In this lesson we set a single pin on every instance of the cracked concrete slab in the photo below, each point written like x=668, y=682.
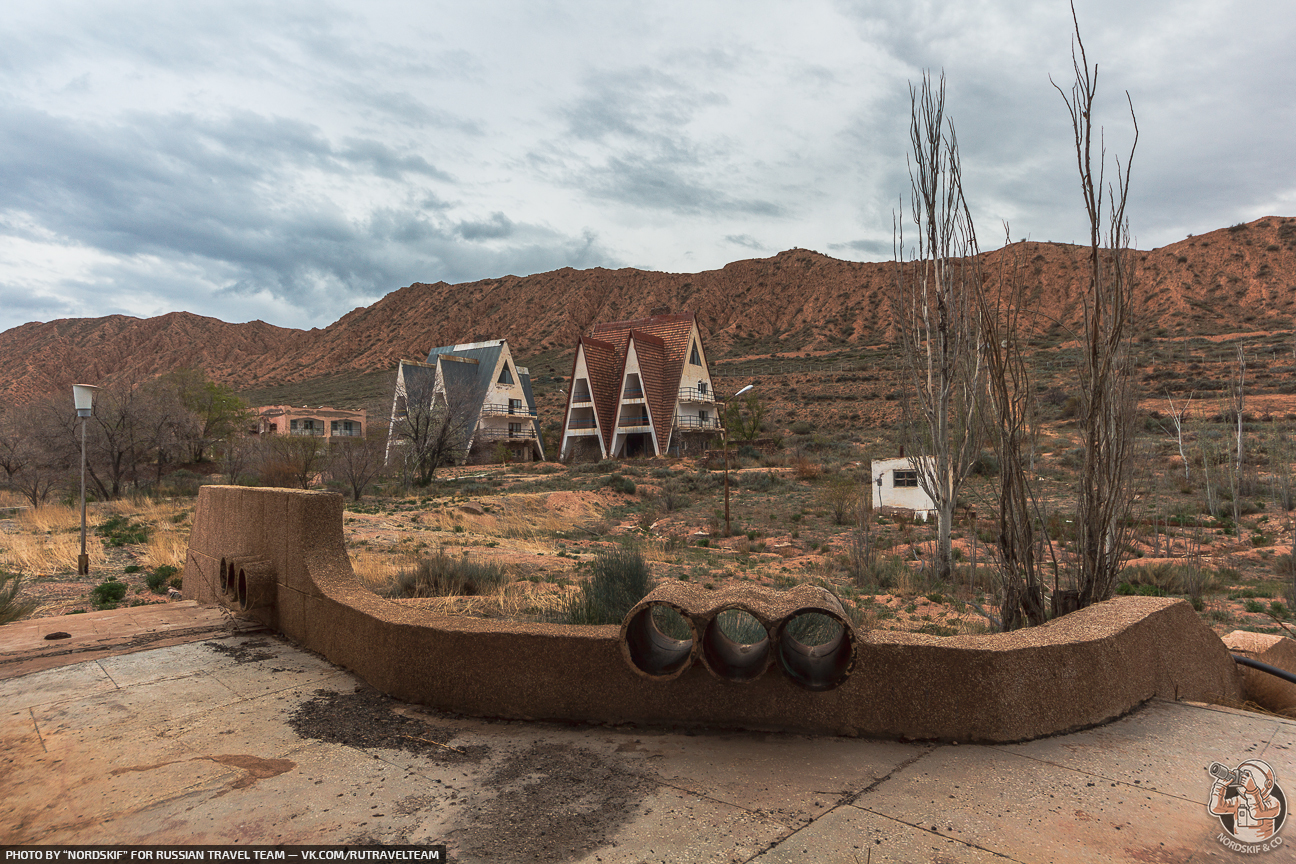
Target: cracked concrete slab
x=246, y=738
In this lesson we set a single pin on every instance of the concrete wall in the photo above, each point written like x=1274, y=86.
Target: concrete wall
x=1083, y=669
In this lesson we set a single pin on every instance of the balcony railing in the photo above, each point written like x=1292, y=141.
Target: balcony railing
x=687, y=422
x=633, y=423
x=693, y=394
x=493, y=408
x=345, y=433
x=506, y=434
x=581, y=398
x=307, y=433
x=581, y=424
x=632, y=394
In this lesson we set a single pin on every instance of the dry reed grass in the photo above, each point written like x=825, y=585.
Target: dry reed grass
x=52, y=518
x=167, y=547
x=43, y=553
x=517, y=600
x=376, y=570
x=9, y=498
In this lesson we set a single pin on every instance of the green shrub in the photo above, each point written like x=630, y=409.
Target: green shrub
x=620, y=580
x=157, y=580
x=106, y=595
x=801, y=427
x=621, y=484
x=1255, y=606
x=441, y=575
x=121, y=531
x=12, y=608
x=132, y=568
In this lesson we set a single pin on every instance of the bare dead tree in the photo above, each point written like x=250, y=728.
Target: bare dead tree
x=1010, y=430
x=357, y=461
x=34, y=465
x=935, y=311
x=296, y=460
x=1178, y=415
x=1237, y=398
x=435, y=427
x=1108, y=395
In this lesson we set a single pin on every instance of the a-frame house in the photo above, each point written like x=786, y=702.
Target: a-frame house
x=487, y=389
x=640, y=388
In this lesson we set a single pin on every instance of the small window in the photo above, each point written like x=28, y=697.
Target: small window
x=694, y=357
x=905, y=479
x=703, y=416
x=292, y=425
x=702, y=387
x=515, y=406
x=515, y=430
x=506, y=377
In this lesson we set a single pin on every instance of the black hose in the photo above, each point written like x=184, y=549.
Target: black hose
x=1265, y=667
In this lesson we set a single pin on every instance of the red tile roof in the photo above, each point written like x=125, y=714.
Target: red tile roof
x=662, y=344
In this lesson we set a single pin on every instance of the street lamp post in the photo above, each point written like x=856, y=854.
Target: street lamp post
x=83, y=398
x=728, y=527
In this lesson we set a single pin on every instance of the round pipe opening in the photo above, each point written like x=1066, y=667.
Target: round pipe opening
x=242, y=589
x=226, y=578
x=736, y=646
x=659, y=640
x=815, y=649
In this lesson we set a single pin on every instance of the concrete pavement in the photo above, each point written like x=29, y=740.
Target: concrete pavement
x=246, y=739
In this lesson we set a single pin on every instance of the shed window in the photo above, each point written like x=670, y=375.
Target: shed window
x=905, y=478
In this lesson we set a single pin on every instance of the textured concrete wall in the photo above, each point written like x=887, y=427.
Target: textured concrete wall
x=1083, y=669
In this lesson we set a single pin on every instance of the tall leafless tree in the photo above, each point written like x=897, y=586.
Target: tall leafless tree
x=1009, y=423
x=935, y=312
x=434, y=426
x=1178, y=416
x=1237, y=399
x=357, y=461
x=1108, y=396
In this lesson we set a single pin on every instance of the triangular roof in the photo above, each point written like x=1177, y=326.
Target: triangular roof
x=661, y=345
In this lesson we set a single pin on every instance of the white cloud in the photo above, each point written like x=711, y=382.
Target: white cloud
x=289, y=161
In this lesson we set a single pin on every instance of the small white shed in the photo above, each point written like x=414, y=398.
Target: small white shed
x=896, y=486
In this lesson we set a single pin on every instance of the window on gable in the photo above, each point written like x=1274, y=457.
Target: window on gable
x=694, y=357
x=506, y=377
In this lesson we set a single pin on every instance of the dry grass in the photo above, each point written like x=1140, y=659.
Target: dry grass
x=9, y=498
x=167, y=547
x=44, y=553
x=517, y=600
x=377, y=570
x=52, y=518
x=48, y=539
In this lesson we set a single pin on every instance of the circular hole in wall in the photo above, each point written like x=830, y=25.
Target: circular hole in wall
x=225, y=576
x=241, y=590
x=659, y=640
x=736, y=646
x=814, y=649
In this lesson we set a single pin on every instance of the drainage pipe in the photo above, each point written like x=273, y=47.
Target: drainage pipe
x=1264, y=667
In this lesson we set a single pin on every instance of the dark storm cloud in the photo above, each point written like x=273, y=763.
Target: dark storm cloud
x=498, y=226
x=223, y=196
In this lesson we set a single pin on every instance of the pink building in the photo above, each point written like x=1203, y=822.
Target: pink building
x=310, y=422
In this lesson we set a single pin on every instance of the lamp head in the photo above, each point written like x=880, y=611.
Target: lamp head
x=83, y=397
x=744, y=390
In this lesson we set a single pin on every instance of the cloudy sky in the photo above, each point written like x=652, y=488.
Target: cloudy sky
x=290, y=161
